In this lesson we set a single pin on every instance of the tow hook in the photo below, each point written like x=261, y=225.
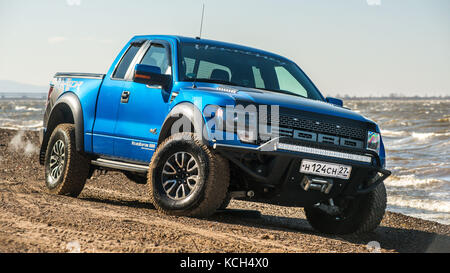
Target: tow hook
x=315, y=183
x=330, y=209
x=242, y=194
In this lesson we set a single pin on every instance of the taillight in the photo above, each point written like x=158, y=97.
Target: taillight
x=50, y=92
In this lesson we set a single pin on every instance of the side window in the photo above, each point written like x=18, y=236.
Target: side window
x=122, y=68
x=157, y=56
x=287, y=82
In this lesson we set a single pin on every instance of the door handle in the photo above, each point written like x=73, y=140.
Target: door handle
x=125, y=97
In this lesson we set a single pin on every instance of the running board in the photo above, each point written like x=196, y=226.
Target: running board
x=106, y=163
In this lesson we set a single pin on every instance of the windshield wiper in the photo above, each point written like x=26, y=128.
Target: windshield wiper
x=283, y=92
x=217, y=81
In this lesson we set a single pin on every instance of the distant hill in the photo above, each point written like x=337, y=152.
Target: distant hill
x=17, y=87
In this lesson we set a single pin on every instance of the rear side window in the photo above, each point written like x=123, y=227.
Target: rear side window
x=259, y=82
x=122, y=68
x=188, y=66
x=206, y=71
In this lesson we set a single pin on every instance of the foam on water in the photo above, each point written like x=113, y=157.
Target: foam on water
x=416, y=136
x=21, y=114
x=422, y=136
x=389, y=133
x=410, y=181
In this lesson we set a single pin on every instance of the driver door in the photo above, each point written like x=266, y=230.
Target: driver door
x=141, y=115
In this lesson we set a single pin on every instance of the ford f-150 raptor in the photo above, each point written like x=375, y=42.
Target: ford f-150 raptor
x=201, y=122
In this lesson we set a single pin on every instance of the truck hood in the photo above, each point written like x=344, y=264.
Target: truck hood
x=242, y=95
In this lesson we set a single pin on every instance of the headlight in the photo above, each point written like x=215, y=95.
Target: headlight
x=244, y=123
x=373, y=141
x=234, y=120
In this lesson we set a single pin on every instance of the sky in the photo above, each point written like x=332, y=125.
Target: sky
x=353, y=47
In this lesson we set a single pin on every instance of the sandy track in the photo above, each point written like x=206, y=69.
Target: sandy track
x=113, y=215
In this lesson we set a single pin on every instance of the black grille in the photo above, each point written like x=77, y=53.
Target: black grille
x=321, y=127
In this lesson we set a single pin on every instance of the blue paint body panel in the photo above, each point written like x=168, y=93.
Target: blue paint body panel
x=130, y=131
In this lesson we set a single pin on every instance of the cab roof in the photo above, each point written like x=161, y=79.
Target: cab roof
x=183, y=39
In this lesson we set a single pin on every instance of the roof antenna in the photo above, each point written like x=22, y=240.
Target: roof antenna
x=198, y=38
x=201, y=24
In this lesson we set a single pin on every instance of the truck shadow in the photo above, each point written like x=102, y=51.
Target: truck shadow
x=397, y=239
x=123, y=203
x=390, y=238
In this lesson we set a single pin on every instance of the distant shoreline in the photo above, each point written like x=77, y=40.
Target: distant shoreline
x=395, y=98
x=42, y=95
x=23, y=96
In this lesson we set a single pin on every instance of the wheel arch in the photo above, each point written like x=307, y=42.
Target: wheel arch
x=66, y=110
x=183, y=110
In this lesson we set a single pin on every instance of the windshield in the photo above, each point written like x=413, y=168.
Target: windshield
x=227, y=65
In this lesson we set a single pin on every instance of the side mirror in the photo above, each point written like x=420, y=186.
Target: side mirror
x=335, y=101
x=151, y=75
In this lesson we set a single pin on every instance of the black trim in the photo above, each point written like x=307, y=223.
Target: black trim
x=186, y=110
x=278, y=174
x=72, y=101
x=324, y=146
x=378, y=180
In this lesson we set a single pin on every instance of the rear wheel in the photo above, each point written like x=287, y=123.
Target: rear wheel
x=186, y=178
x=66, y=170
x=360, y=215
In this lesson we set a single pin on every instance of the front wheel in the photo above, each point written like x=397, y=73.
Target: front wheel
x=359, y=215
x=186, y=178
x=66, y=170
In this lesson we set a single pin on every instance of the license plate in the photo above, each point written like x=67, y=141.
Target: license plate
x=325, y=169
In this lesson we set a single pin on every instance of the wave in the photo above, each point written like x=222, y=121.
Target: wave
x=422, y=214
x=390, y=133
x=411, y=181
x=25, y=108
x=437, y=210
x=20, y=108
x=31, y=126
x=412, y=134
x=446, y=120
x=441, y=206
x=32, y=109
x=423, y=136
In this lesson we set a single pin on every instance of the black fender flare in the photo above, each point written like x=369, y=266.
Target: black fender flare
x=187, y=110
x=67, y=102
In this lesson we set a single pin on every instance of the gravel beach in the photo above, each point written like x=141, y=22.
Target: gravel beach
x=113, y=214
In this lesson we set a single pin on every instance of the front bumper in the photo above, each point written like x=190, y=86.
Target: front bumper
x=366, y=175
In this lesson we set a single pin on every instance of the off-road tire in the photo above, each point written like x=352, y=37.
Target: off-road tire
x=214, y=177
x=225, y=202
x=367, y=212
x=75, y=169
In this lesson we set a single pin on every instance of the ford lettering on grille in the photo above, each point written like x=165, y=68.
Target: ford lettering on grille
x=321, y=138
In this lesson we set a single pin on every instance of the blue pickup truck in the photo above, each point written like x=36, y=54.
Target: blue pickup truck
x=202, y=122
